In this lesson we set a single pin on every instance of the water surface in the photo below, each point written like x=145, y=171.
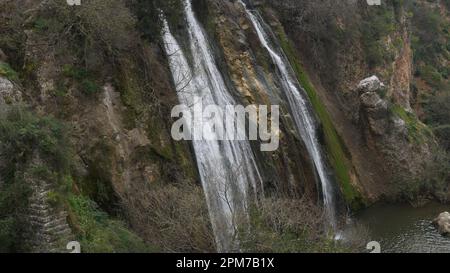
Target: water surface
x=404, y=229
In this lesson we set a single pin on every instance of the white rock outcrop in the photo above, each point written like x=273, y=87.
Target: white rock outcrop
x=8, y=92
x=442, y=223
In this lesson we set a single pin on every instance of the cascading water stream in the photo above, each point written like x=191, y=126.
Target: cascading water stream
x=302, y=114
x=226, y=167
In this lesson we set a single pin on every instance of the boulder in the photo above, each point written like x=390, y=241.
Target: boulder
x=373, y=100
x=6, y=85
x=374, y=109
x=442, y=223
x=8, y=92
x=371, y=84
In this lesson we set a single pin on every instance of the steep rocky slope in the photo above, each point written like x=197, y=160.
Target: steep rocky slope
x=339, y=52
x=114, y=95
x=98, y=75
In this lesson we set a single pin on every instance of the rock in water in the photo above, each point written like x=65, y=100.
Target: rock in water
x=442, y=223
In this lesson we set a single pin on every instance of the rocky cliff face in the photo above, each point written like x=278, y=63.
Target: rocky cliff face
x=47, y=227
x=119, y=118
x=403, y=141
x=110, y=83
x=374, y=118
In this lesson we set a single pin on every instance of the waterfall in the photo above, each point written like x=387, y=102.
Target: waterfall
x=301, y=111
x=227, y=168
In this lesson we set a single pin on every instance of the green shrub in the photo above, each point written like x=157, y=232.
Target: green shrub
x=98, y=233
x=438, y=116
x=443, y=133
x=54, y=198
x=7, y=72
x=61, y=88
x=82, y=77
x=375, y=54
x=22, y=132
x=89, y=87
x=430, y=39
x=74, y=72
x=430, y=75
x=148, y=16
x=380, y=23
x=42, y=24
x=14, y=194
x=417, y=131
x=8, y=234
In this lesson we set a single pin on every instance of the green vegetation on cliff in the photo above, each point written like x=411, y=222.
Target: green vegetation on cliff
x=83, y=78
x=431, y=44
x=8, y=72
x=37, y=147
x=98, y=233
x=379, y=23
x=32, y=147
x=344, y=42
x=417, y=131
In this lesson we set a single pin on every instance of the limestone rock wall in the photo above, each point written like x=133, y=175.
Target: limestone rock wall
x=47, y=228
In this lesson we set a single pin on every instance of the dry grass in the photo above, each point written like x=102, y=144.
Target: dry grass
x=174, y=218
x=297, y=226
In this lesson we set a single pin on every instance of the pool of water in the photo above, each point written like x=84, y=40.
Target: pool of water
x=404, y=229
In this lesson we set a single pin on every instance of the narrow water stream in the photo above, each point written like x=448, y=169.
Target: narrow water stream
x=301, y=110
x=404, y=229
